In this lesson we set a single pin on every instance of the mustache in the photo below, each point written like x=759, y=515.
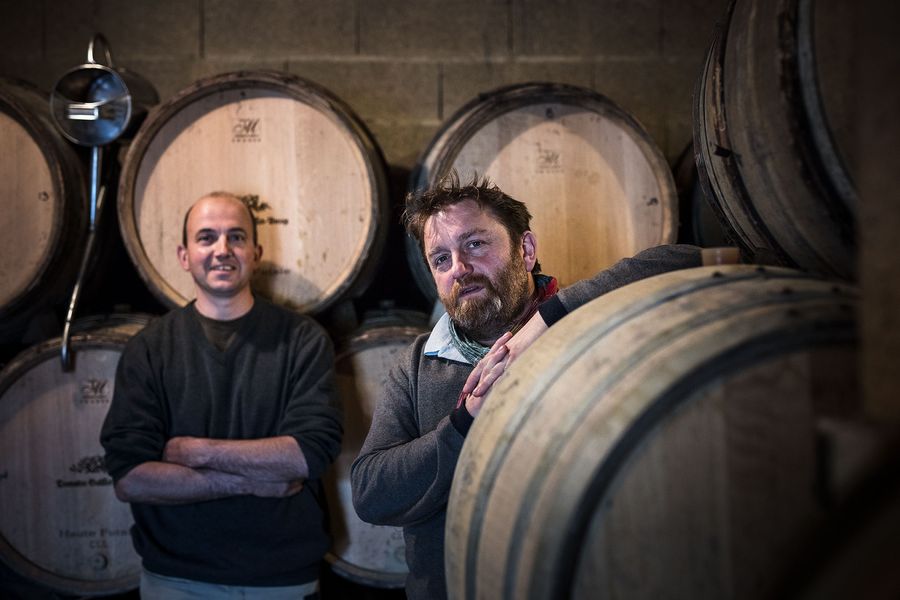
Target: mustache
x=460, y=284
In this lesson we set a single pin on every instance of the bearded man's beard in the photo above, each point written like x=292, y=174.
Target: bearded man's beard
x=494, y=312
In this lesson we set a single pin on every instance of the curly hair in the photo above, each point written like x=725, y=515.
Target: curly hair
x=422, y=204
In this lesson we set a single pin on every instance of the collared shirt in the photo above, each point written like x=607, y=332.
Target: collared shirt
x=440, y=344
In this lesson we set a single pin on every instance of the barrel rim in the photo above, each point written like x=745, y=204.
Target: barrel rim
x=69, y=225
x=296, y=87
x=21, y=565
x=111, y=337
x=101, y=337
x=370, y=334
x=435, y=160
x=777, y=225
x=752, y=352
x=364, y=576
x=624, y=305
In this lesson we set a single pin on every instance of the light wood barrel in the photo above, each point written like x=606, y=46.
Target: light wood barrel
x=61, y=525
x=372, y=555
x=658, y=442
x=304, y=163
x=596, y=184
x=42, y=190
x=774, y=132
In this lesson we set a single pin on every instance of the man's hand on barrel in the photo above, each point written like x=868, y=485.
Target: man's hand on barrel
x=504, y=351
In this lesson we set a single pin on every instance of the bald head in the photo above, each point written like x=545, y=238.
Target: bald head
x=225, y=196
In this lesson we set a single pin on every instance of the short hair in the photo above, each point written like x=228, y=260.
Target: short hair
x=422, y=204
x=219, y=194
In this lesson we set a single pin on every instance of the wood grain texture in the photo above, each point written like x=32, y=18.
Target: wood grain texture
x=595, y=183
x=659, y=441
x=771, y=134
x=44, y=216
x=303, y=162
x=61, y=524
x=368, y=554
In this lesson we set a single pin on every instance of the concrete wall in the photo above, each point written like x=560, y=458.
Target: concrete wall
x=403, y=66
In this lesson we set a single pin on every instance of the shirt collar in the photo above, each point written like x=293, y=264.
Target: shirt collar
x=439, y=343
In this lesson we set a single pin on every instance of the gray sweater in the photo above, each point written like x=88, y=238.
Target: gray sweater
x=403, y=474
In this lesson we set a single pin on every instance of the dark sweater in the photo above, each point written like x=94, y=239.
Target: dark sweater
x=403, y=474
x=276, y=378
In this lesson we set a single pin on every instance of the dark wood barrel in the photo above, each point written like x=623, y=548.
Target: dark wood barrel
x=302, y=160
x=371, y=555
x=773, y=133
x=597, y=185
x=658, y=442
x=44, y=218
x=855, y=554
x=61, y=525
x=697, y=223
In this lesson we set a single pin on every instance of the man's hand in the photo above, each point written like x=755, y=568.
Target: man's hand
x=186, y=451
x=266, y=459
x=276, y=489
x=504, y=351
x=485, y=374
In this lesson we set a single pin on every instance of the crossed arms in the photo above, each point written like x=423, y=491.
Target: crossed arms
x=196, y=469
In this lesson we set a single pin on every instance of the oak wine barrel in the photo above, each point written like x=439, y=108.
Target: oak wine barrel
x=774, y=133
x=597, y=185
x=372, y=555
x=61, y=525
x=44, y=218
x=299, y=157
x=659, y=441
x=697, y=223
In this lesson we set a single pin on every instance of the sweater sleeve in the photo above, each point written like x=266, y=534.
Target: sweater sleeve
x=313, y=414
x=647, y=263
x=134, y=430
x=400, y=477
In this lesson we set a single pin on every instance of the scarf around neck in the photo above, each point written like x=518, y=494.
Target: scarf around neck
x=473, y=351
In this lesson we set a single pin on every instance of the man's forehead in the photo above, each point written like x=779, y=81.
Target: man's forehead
x=460, y=217
x=214, y=208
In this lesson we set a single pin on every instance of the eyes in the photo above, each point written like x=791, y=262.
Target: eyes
x=207, y=237
x=472, y=248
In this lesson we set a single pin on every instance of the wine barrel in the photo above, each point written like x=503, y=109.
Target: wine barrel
x=372, y=555
x=597, y=186
x=42, y=188
x=657, y=442
x=303, y=162
x=855, y=552
x=697, y=222
x=773, y=133
x=61, y=525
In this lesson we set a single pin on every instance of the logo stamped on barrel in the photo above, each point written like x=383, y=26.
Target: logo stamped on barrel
x=548, y=161
x=246, y=130
x=94, y=391
x=89, y=464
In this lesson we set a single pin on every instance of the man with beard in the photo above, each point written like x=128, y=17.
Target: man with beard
x=482, y=255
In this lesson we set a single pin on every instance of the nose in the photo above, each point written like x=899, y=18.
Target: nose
x=460, y=268
x=222, y=246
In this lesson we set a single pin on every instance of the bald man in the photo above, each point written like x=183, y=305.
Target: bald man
x=223, y=420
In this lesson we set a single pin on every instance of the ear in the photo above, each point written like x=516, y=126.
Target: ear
x=529, y=250
x=257, y=252
x=183, y=258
